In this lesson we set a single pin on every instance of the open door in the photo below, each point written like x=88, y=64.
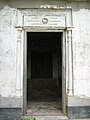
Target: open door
x=44, y=73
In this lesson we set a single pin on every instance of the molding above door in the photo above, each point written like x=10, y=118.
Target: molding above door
x=60, y=18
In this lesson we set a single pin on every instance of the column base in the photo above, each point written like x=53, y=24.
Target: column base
x=78, y=108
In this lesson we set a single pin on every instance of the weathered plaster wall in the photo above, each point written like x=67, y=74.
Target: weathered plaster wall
x=37, y=4
x=81, y=52
x=7, y=52
x=81, y=43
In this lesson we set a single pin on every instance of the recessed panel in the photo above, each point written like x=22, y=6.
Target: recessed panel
x=46, y=20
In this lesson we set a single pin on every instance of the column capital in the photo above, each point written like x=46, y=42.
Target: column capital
x=19, y=28
x=19, y=35
x=69, y=33
x=69, y=28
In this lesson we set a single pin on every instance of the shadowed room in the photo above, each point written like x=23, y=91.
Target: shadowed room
x=44, y=73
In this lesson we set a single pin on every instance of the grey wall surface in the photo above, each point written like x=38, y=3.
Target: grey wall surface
x=10, y=114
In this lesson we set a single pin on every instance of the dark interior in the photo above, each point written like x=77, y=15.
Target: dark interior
x=41, y=64
x=44, y=66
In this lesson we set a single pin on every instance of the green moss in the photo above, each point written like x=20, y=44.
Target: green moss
x=28, y=118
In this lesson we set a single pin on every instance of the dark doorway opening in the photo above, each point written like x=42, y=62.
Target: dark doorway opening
x=44, y=72
x=41, y=64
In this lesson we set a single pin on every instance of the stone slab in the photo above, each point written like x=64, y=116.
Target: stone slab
x=78, y=112
x=10, y=102
x=77, y=101
x=49, y=117
x=10, y=114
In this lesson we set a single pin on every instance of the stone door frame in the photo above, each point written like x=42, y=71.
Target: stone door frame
x=63, y=65
x=67, y=64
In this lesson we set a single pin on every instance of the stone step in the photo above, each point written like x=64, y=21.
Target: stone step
x=49, y=117
x=54, y=118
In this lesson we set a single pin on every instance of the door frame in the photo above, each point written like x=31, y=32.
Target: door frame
x=65, y=26
x=44, y=29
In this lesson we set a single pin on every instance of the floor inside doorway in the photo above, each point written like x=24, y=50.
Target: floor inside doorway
x=45, y=111
x=44, y=108
x=44, y=99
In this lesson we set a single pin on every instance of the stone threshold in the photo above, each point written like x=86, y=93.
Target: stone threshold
x=54, y=118
x=49, y=117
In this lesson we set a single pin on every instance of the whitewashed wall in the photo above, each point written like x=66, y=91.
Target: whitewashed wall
x=81, y=52
x=7, y=52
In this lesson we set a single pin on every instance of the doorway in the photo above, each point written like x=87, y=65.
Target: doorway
x=44, y=73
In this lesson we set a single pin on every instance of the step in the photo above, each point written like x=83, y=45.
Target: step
x=49, y=117
x=53, y=118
